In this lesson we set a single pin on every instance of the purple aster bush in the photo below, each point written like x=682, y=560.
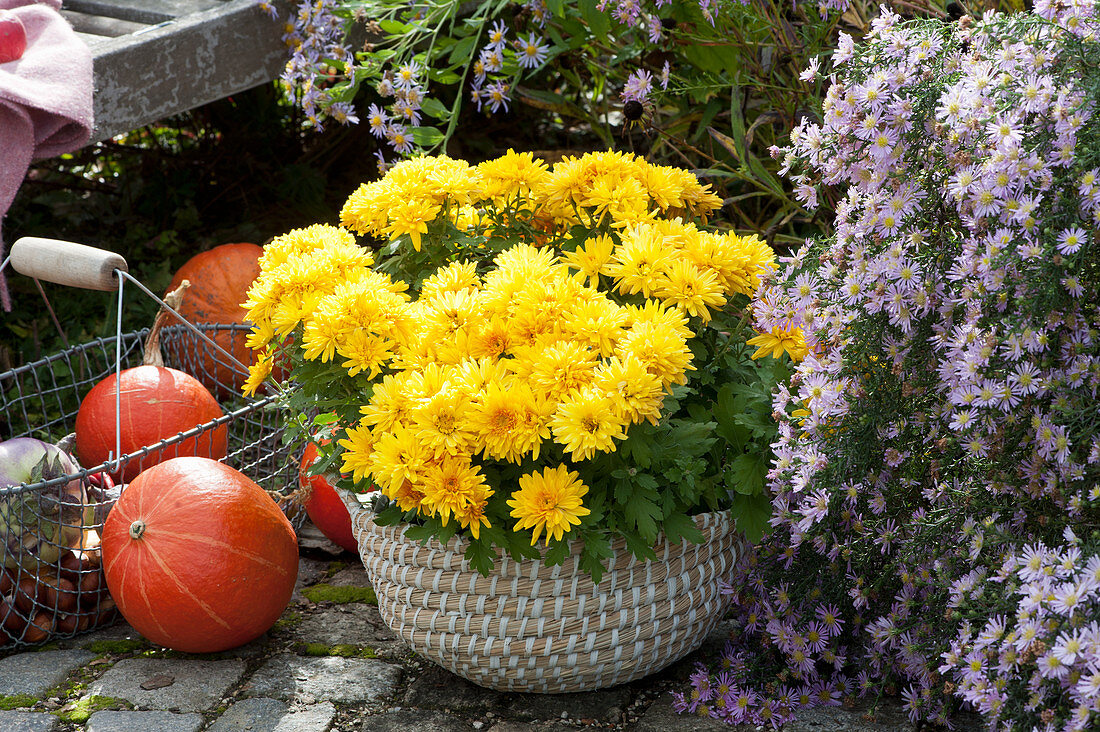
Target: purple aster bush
x=936, y=484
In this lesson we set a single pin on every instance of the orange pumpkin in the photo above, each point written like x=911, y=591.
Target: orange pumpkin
x=220, y=278
x=156, y=403
x=198, y=556
x=324, y=508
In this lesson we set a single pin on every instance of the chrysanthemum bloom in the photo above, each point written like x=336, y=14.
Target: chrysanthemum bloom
x=780, y=341
x=691, y=289
x=640, y=394
x=358, y=446
x=587, y=421
x=592, y=258
x=398, y=458
x=498, y=419
x=549, y=502
x=448, y=485
x=258, y=373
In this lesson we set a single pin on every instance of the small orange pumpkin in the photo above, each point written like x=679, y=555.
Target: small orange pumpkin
x=198, y=556
x=324, y=508
x=220, y=278
x=155, y=403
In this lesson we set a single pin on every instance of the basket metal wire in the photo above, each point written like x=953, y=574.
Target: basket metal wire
x=51, y=582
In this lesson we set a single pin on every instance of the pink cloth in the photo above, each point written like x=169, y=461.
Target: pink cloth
x=45, y=100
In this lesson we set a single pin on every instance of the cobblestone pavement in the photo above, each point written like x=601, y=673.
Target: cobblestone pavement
x=327, y=666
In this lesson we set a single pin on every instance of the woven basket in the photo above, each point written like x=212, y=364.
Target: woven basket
x=532, y=628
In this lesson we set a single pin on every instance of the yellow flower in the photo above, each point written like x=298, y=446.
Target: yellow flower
x=586, y=421
x=658, y=315
x=591, y=259
x=398, y=458
x=549, y=502
x=389, y=407
x=638, y=262
x=471, y=515
x=638, y=393
x=664, y=352
x=474, y=376
x=358, y=447
x=260, y=335
x=365, y=351
x=597, y=322
x=455, y=277
x=778, y=342
x=512, y=175
x=499, y=418
x=448, y=485
x=257, y=373
x=441, y=422
x=560, y=369
x=412, y=218
x=492, y=339
x=690, y=289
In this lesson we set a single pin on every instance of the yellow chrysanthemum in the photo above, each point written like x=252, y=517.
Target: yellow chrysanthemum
x=449, y=484
x=560, y=369
x=637, y=263
x=398, y=458
x=442, y=420
x=499, y=419
x=597, y=322
x=780, y=341
x=587, y=421
x=474, y=376
x=512, y=176
x=664, y=352
x=549, y=502
x=592, y=259
x=257, y=373
x=365, y=351
x=389, y=406
x=691, y=289
x=656, y=314
x=412, y=218
x=492, y=339
x=455, y=277
x=638, y=394
x=358, y=447
x=471, y=515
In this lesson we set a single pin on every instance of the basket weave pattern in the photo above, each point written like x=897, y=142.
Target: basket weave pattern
x=530, y=627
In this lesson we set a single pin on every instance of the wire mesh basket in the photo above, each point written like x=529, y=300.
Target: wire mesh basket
x=52, y=583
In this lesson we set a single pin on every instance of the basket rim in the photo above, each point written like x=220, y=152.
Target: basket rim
x=711, y=523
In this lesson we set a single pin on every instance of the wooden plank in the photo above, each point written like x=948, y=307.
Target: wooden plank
x=182, y=64
x=148, y=12
x=98, y=25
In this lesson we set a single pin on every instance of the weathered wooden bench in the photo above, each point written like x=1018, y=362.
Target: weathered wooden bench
x=156, y=58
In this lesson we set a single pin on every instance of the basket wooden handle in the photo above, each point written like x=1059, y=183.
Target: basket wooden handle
x=67, y=263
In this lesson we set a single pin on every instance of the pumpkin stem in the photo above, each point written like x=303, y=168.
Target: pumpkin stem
x=137, y=528
x=173, y=299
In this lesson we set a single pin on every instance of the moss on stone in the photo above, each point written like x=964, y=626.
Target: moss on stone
x=85, y=707
x=17, y=701
x=340, y=594
x=288, y=620
x=116, y=647
x=344, y=650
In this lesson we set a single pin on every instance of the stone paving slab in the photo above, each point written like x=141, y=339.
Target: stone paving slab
x=437, y=688
x=28, y=722
x=33, y=673
x=260, y=714
x=309, y=680
x=415, y=720
x=189, y=685
x=355, y=624
x=144, y=722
